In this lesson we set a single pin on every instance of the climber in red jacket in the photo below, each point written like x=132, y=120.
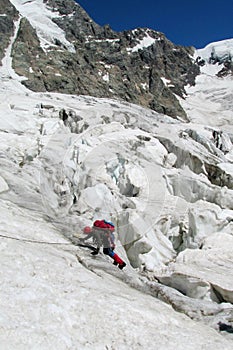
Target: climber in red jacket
x=102, y=235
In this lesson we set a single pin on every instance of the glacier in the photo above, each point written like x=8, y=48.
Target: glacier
x=167, y=185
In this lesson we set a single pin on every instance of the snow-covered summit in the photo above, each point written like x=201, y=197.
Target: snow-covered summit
x=216, y=58
x=220, y=50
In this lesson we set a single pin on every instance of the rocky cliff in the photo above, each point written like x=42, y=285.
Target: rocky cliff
x=140, y=66
x=8, y=14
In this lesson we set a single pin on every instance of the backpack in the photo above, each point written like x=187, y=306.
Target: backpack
x=104, y=225
x=104, y=232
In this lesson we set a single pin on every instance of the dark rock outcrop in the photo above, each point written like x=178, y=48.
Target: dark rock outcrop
x=8, y=14
x=105, y=63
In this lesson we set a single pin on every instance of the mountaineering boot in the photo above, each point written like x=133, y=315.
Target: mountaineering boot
x=95, y=252
x=118, y=261
x=121, y=266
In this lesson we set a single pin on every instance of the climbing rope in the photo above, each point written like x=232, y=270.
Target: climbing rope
x=34, y=241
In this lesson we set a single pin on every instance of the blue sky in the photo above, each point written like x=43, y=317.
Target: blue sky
x=184, y=22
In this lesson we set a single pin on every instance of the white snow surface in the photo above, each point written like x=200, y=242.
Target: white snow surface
x=220, y=49
x=145, y=42
x=109, y=154
x=210, y=100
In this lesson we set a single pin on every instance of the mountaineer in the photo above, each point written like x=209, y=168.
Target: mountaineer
x=102, y=233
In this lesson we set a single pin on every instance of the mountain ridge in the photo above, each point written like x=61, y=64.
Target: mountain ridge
x=70, y=53
x=103, y=63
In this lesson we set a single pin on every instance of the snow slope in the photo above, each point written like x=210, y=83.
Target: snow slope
x=48, y=298
x=40, y=18
x=125, y=163
x=210, y=100
x=220, y=49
